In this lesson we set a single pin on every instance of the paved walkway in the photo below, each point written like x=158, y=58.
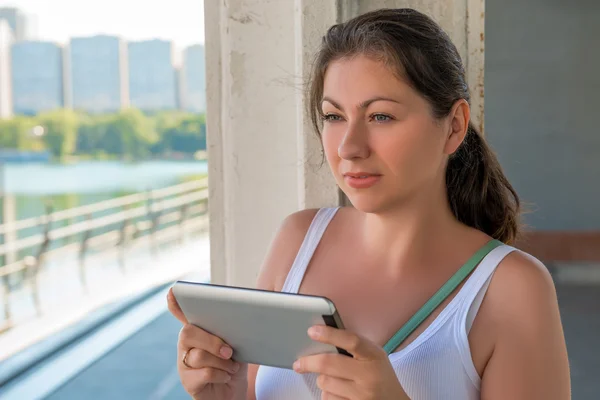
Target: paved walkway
x=143, y=367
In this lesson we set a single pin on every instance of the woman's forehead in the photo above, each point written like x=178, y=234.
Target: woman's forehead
x=361, y=79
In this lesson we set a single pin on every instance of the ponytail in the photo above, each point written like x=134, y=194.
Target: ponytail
x=480, y=195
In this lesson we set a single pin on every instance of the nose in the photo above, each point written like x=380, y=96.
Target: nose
x=354, y=144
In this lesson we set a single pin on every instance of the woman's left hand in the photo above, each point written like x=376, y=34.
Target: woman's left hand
x=365, y=376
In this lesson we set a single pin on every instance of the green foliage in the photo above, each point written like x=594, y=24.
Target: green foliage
x=181, y=133
x=127, y=134
x=60, y=129
x=15, y=133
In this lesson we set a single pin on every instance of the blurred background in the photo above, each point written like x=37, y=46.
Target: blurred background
x=104, y=175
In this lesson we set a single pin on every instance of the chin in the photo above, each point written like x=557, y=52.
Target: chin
x=367, y=203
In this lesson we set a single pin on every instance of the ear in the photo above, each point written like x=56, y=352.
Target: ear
x=458, y=123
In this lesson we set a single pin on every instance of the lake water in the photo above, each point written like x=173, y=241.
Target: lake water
x=69, y=185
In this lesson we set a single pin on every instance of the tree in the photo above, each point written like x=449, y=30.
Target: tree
x=60, y=131
x=15, y=133
x=92, y=133
x=10, y=131
x=129, y=133
x=187, y=134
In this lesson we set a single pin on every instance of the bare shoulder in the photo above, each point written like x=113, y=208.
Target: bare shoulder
x=283, y=249
x=529, y=360
x=521, y=285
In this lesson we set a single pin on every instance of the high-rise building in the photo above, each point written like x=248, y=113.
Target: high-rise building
x=98, y=78
x=178, y=88
x=37, y=77
x=6, y=40
x=16, y=20
x=151, y=75
x=193, y=79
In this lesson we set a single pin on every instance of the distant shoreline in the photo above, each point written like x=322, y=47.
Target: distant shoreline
x=13, y=156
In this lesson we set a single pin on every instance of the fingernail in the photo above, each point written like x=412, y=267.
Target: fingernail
x=226, y=351
x=314, y=331
x=227, y=378
x=235, y=368
x=297, y=366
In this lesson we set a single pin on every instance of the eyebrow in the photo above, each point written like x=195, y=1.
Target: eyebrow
x=363, y=104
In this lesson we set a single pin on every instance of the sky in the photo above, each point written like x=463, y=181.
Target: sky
x=181, y=21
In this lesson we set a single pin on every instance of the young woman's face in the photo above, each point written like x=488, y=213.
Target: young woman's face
x=381, y=140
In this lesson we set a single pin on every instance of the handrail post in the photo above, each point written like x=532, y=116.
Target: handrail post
x=122, y=243
x=82, y=252
x=182, y=218
x=6, y=300
x=149, y=203
x=33, y=264
x=154, y=217
x=32, y=269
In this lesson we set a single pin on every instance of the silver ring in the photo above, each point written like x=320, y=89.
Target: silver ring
x=183, y=359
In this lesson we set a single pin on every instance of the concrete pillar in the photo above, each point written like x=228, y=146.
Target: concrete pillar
x=264, y=160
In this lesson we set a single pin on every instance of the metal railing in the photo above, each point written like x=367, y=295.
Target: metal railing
x=103, y=229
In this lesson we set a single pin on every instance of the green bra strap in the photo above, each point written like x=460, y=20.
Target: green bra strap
x=439, y=296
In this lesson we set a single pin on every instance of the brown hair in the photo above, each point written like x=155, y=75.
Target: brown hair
x=423, y=55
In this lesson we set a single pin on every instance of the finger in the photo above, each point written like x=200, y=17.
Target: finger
x=197, y=379
x=335, y=388
x=329, y=396
x=334, y=365
x=174, y=307
x=192, y=336
x=198, y=358
x=361, y=348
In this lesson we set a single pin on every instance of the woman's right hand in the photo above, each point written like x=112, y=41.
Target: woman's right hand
x=204, y=362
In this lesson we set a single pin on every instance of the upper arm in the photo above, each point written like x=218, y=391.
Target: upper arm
x=277, y=263
x=529, y=360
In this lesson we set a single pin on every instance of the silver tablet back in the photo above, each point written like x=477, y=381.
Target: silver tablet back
x=262, y=327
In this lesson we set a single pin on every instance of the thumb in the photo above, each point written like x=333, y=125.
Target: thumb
x=174, y=307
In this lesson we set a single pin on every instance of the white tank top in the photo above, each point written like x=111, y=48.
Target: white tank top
x=436, y=365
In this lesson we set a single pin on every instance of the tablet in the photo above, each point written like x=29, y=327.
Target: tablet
x=263, y=327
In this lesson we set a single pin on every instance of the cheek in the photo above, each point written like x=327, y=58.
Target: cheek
x=331, y=142
x=413, y=153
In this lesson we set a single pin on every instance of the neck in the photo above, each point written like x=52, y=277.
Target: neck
x=402, y=237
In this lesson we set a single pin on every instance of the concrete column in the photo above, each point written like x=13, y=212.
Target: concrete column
x=316, y=185
x=264, y=160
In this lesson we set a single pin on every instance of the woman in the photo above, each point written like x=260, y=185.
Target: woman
x=389, y=99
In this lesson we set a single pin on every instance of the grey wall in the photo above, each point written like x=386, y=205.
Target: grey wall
x=542, y=106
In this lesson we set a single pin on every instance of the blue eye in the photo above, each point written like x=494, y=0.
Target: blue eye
x=381, y=118
x=331, y=118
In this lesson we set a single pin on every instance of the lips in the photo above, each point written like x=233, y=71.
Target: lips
x=361, y=180
x=360, y=174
